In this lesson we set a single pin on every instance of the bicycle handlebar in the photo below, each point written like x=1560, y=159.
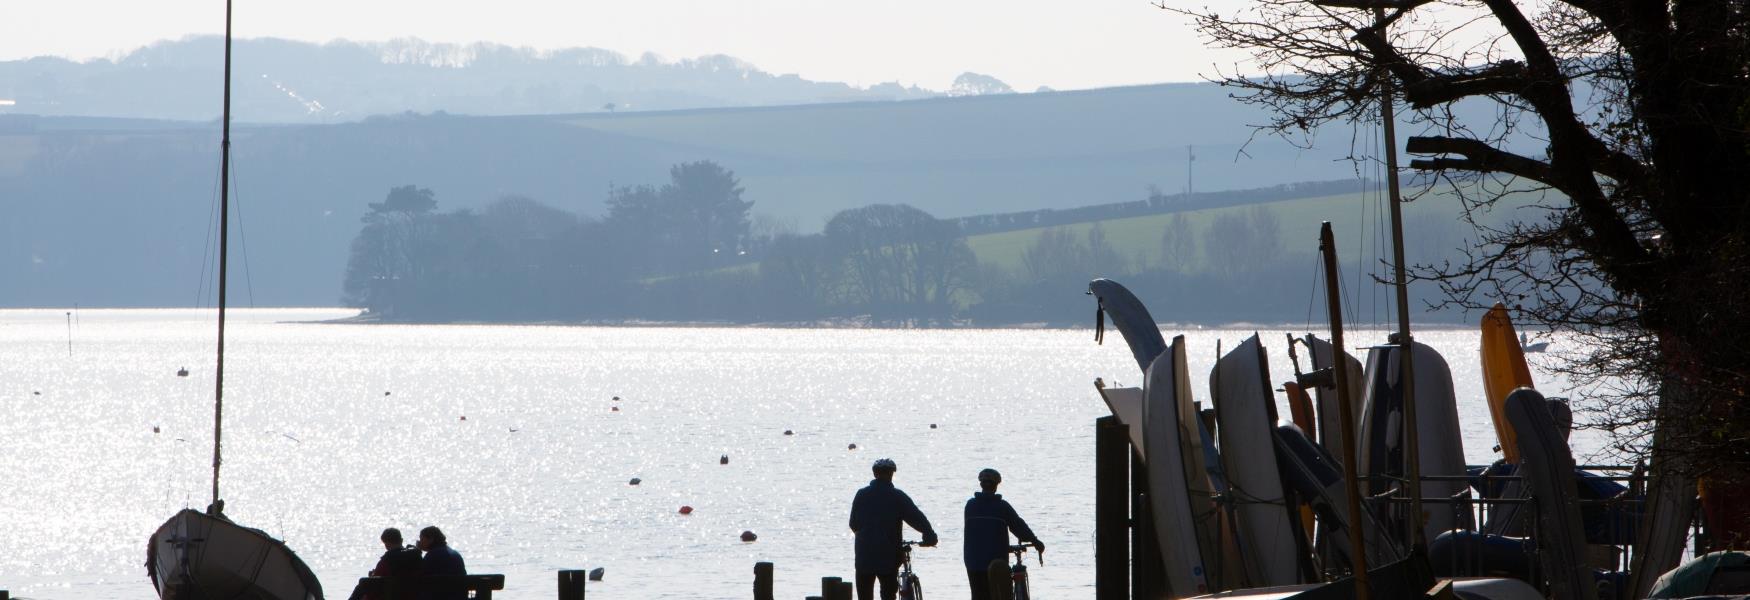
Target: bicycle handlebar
x=1020, y=550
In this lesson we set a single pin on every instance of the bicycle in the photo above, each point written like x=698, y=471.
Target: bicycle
x=1018, y=571
x=909, y=586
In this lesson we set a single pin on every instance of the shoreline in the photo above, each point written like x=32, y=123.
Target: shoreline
x=863, y=323
x=860, y=322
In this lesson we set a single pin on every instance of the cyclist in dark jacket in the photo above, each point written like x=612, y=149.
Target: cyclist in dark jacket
x=876, y=515
x=989, y=519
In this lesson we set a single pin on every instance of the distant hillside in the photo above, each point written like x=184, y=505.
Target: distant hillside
x=298, y=82
x=113, y=211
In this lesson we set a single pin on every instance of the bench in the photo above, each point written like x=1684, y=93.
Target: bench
x=390, y=587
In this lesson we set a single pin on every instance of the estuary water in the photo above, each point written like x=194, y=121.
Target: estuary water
x=507, y=438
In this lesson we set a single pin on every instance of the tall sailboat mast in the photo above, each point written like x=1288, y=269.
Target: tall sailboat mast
x=224, y=239
x=1412, y=447
x=1345, y=415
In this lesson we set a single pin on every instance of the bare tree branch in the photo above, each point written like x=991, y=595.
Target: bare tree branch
x=1479, y=157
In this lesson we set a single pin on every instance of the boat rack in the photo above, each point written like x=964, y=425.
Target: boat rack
x=1610, y=523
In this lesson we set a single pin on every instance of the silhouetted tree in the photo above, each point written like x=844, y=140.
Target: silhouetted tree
x=1054, y=254
x=1640, y=252
x=1103, y=259
x=1178, y=242
x=383, y=257
x=406, y=200
x=696, y=220
x=900, y=261
x=1058, y=257
x=1242, y=242
x=802, y=274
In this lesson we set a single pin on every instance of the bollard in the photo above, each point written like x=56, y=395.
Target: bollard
x=571, y=584
x=846, y=590
x=762, y=581
x=829, y=587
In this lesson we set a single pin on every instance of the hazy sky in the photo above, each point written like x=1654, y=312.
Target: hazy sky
x=1065, y=44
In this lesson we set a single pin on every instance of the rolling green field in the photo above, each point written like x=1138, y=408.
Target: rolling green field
x=1433, y=225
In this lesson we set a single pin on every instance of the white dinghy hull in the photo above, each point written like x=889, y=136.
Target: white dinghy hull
x=198, y=556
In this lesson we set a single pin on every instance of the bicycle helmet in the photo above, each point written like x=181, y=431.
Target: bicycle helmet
x=886, y=464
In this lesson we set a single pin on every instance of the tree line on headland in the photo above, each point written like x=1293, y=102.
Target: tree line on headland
x=690, y=250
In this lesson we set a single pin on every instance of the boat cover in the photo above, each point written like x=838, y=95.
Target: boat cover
x=199, y=556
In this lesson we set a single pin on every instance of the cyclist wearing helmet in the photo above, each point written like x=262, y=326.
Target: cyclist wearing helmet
x=989, y=519
x=876, y=515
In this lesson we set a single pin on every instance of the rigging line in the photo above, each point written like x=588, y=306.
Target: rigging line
x=200, y=292
x=1238, y=495
x=1314, y=296
x=1365, y=230
x=242, y=234
x=1345, y=295
x=1370, y=219
x=1370, y=238
x=1383, y=239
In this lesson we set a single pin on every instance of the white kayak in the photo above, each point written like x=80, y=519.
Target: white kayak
x=1245, y=415
x=1180, y=493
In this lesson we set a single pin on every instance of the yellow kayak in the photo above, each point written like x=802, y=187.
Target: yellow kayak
x=1504, y=370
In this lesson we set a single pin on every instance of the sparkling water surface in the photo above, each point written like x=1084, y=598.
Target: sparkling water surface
x=333, y=432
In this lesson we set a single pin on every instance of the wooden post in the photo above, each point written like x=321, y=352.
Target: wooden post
x=1146, y=566
x=847, y=590
x=571, y=584
x=1111, y=510
x=829, y=587
x=762, y=581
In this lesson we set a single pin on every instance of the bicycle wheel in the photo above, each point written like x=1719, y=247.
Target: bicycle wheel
x=913, y=588
x=1021, y=591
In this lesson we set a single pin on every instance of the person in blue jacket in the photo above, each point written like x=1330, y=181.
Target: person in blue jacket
x=876, y=515
x=440, y=559
x=989, y=519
